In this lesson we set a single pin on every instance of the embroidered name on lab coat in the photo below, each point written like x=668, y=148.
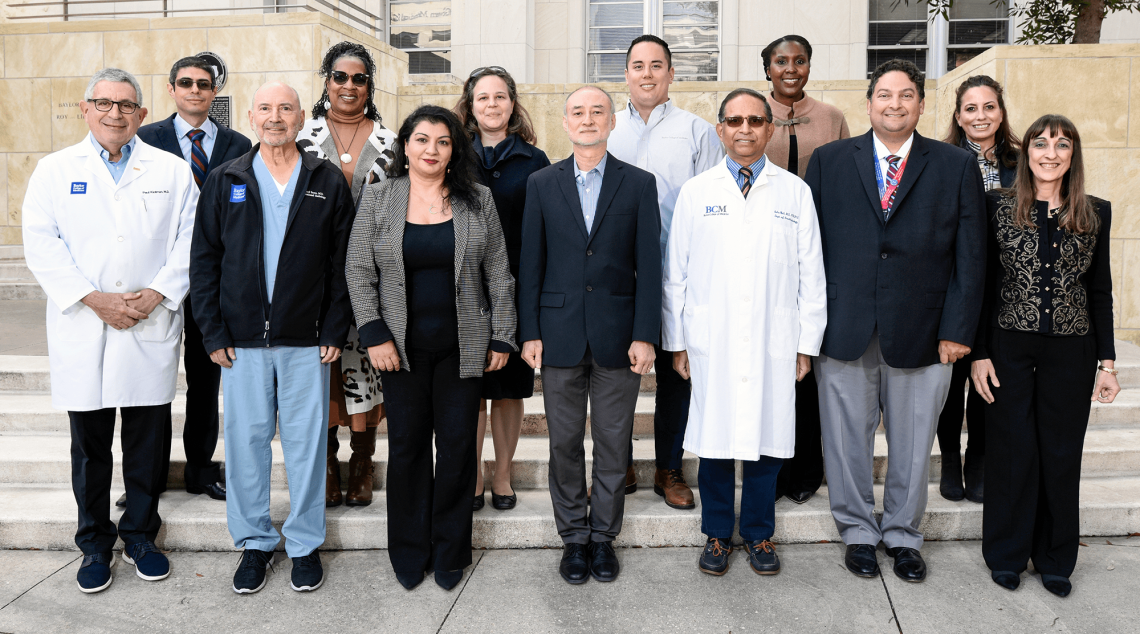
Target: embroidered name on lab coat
x=314, y=194
x=787, y=215
x=716, y=210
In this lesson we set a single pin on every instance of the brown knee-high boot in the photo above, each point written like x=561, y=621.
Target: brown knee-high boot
x=360, y=467
x=333, y=496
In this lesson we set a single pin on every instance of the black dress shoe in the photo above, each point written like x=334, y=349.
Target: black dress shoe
x=122, y=501
x=603, y=561
x=410, y=579
x=1006, y=579
x=216, y=490
x=575, y=568
x=448, y=579
x=503, y=502
x=861, y=560
x=1060, y=586
x=478, y=501
x=799, y=497
x=909, y=565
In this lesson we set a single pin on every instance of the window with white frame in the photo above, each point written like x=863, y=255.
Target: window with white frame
x=905, y=30
x=692, y=30
x=422, y=28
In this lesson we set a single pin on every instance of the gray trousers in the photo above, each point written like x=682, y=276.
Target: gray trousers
x=612, y=393
x=851, y=396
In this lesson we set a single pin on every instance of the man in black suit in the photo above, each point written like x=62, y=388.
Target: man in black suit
x=903, y=224
x=191, y=134
x=590, y=308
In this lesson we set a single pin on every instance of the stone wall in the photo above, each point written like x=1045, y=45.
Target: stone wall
x=1098, y=86
x=45, y=67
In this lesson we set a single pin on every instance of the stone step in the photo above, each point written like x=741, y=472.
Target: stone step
x=11, y=252
x=17, y=289
x=32, y=373
x=44, y=517
x=34, y=413
x=15, y=270
x=46, y=459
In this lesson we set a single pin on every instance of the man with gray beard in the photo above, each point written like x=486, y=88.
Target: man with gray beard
x=269, y=293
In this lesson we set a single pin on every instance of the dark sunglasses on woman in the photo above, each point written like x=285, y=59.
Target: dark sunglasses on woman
x=487, y=70
x=339, y=78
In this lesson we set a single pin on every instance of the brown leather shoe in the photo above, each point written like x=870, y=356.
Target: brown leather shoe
x=670, y=484
x=360, y=467
x=333, y=496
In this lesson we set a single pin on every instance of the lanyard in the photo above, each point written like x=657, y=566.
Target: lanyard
x=888, y=190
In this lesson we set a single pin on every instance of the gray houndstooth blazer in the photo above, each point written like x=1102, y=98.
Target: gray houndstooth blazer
x=485, y=290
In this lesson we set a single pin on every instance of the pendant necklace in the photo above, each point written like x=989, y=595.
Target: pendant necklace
x=436, y=213
x=346, y=157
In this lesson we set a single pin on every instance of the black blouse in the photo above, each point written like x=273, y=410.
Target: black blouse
x=1046, y=280
x=429, y=266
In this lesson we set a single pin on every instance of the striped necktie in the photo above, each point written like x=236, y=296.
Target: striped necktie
x=747, y=174
x=199, y=163
x=892, y=177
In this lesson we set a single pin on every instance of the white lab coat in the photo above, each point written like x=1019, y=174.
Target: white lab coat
x=83, y=233
x=744, y=291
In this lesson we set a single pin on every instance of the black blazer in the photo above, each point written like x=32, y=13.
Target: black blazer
x=228, y=146
x=601, y=289
x=916, y=275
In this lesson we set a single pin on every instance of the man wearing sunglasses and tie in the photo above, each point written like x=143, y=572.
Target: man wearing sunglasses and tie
x=743, y=311
x=191, y=134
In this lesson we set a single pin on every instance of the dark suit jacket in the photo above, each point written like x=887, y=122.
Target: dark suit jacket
x=228, y=146
x=601, y=289
x=918, y=274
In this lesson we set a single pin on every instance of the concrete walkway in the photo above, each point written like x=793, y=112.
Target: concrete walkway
x=660, y=590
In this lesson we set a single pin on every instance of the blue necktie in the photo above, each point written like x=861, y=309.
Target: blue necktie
x=199, y=163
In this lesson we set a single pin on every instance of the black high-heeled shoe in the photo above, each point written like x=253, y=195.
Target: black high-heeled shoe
x=950, y=485
x=478, y=501
x=410, y=579
x=1060, y=586
x=1006, y=579
x=503, y=502
x=448, y=579
x=974, y=473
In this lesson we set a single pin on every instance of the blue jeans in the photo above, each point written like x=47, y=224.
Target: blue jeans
x=264, y=388
x=717, y=481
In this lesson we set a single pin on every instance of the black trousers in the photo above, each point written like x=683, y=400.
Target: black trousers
x=671, y=412
x=429, y=517
x=963, y=395
x=804, y=470
x=91, y=463
x=1035, y=432
x=200, y=431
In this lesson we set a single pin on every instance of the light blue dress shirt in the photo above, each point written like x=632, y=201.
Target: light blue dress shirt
x=734, y=169
x=182, y=128
x=275, y=215
x=119, y=167
x=589, y=186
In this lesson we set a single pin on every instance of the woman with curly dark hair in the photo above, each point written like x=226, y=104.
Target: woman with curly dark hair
x=431, y=289
x=980, y=125
x=346, y=130
x=503, y=140
x=1043, y=353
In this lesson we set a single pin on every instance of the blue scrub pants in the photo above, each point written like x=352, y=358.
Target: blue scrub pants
x=716, y=479
x=264, y=388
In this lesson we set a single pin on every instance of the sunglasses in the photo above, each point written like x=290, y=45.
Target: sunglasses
x=105, y=105
x=205, y=85
x=340, y=77
x=755, y=122
x=488, y=70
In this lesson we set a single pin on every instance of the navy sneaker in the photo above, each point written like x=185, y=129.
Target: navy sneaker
x=250, y=575
x=714, y=559
x=762, y=557
x=95, y=572
x=149, y=562
x=308, y=573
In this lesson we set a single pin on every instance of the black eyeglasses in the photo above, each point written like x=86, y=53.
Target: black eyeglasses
x=205, y=85
x=339, y=77
x=754, y=121
x=104, y=105
x=488, y=70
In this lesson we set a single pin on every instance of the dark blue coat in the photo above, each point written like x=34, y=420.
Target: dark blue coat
x=600, y=289
x=505, y=170
x=228, y=146
x=918, y=274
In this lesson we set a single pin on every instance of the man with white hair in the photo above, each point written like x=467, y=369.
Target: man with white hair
x=270, y=298
x=107, y=229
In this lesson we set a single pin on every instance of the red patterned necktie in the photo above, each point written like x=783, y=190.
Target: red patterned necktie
x=747, y=174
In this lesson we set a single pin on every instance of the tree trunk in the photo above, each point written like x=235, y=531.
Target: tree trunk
x=1089, y=20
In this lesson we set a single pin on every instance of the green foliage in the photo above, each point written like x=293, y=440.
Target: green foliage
x=1044, y=21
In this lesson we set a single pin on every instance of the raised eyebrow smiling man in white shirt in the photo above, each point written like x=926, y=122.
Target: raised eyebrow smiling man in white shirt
x=674, y=145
